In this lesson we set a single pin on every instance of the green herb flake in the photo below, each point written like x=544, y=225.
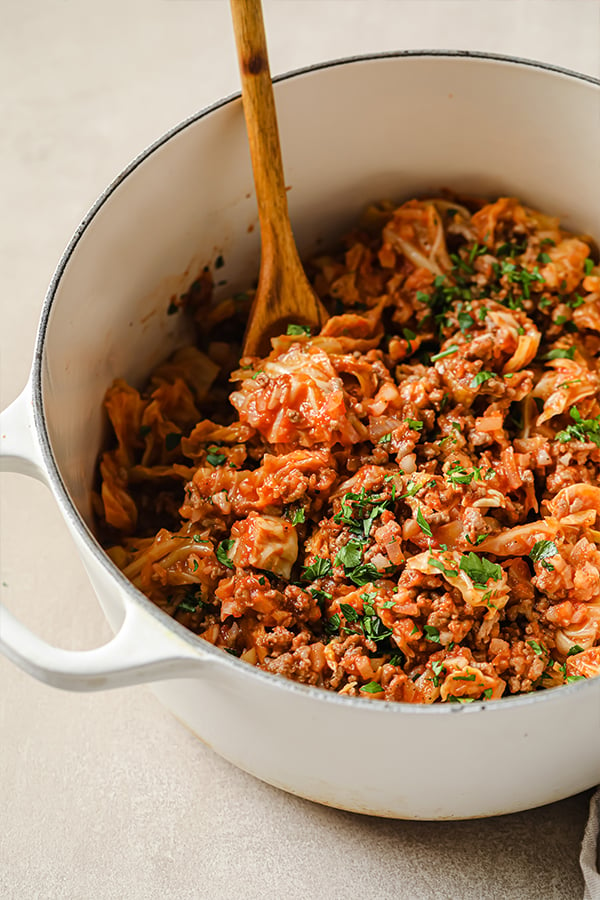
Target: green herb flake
x=540, y=552
x=297, y=329
x=572, y=678
x=481, y=378
x=585, y=430
x=479, y=569
x=414, y=424
x=543, y=258
x=488, y=693
x=350, y=614
x=437, y=564
x=537, y=648
x=588, y=265
x=448, y=352
x=432, y=634
x=298, y=516
x=423, y=524
x=372, y=688
x=223, y=551
x=574, y=650
x=350, y=555
x=560, y=353
x=215, y=458
x=317, y=569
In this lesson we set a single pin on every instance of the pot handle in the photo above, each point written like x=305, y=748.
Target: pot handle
x=138, y=653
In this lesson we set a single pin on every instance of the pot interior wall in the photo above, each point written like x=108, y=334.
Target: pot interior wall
x=351, y=134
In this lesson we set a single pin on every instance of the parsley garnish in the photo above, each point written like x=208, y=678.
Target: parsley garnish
x=541, y=550
x=359, y=511
x=437, y=564
x=350, y=614
x=297, y=329
x=588, y=265
x=518, y=275
x=215, y=458
x=583, y=429
x=456, y=474
x=298, y=516
x=415, y=424
x=222, y=551
x=432, y=634
x=479, y=569
x=481, y=378
x=350, y=555
x=319, y=568
x=423, y=524
x=372, y=688
x=451, y=349
x=574, y=650
x=560, y=353
x=572, y=678
x=537, y=648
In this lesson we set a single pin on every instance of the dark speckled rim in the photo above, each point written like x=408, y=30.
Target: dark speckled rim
x=203, y=648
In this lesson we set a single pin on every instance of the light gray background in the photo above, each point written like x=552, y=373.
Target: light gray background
x=106, y=796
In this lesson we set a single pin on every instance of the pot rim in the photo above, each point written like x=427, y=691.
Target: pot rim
x=84, y=533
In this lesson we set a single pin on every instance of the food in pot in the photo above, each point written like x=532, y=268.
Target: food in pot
x=403, y=507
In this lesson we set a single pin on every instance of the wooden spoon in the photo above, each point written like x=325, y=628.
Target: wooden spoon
x=284, y=293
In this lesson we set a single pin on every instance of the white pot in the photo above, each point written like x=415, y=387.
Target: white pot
x=352, y=132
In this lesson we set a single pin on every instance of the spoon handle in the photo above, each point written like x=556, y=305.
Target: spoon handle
x=261, y=122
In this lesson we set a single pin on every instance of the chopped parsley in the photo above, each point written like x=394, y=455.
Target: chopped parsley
x=540, y=552
x=438, y=564
x=298, y=516
x=479, y=569
x=519, y=275
x=222, y=553
x=574, y=650
x=318, y=569
x=588, y=265
x=582, y=429
x=359, y=511
x=481, y=378
x=350, y=555
x=457, y=474
x=537, y=648
x=414, y=424
x=350, y=614
x=432, y=634
x=298, y=329
x=372, y=688
x=560, y=353
x=423, y=524
x=215, y=458
x=448, y=352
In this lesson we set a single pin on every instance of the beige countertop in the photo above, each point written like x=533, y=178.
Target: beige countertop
x=106, y=796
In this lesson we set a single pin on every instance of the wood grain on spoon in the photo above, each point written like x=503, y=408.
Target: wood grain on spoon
x=284, y=293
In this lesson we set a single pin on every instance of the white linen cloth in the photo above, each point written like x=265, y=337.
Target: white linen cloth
x=590, y=851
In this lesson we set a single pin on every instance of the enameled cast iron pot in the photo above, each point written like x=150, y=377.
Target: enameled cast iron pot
x=352, y=132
